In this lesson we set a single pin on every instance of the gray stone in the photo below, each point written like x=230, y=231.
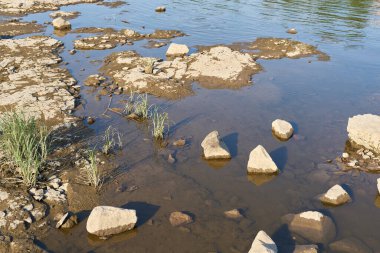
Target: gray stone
x=214, y=148
x=282, y=129
x=263, y=244
x=336, y=195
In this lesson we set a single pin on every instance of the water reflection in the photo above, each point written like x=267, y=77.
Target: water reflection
x=342, y=20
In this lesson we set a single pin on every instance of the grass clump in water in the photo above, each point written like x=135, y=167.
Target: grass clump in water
x=25, y=143
x=160, y=122
x=111, y=138
x=138, y=106
x=92, y=172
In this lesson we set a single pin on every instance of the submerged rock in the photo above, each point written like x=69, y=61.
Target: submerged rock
x=364, y=130
x=282, y=129
x=180, y=218
x=292, y=31
x=61, y=24
x=306, y=249
x=64, y=14
x=177, y=50
x=261, y=162
x=263, y=244
x=214, y=148
x=312, y=225
x=160, y=9
x=349, y=245
x=233, y=214
x=336, y=195
x=19, y=28
x=108, y=220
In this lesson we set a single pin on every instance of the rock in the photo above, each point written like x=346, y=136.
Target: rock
x=72, y=51
x=171, y=159
x=364, y=130
x=261, y=162
x=378, y=185
x=292, y=31
x=54, y=196
x=3, y=195
x=282, y=129
x=177, y=50
x=64, y=14
x=214, y=148
x=233, y=214
x=90, y=120
x=349, y=245
x=62, y=220
x=160, y=9
x=263, y=244
x=312, y=225
x=108, y=220
x=37, y=194
x=306, y=249
x=336, y=195
x=345, y=155
x=179, y=219
x=70, y=222
x=61, y=24
x=179, y=143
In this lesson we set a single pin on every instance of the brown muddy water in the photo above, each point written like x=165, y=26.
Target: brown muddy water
x=317, y=97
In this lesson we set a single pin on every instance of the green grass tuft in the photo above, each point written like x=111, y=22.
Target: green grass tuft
x=160, y=122
x=111, y=138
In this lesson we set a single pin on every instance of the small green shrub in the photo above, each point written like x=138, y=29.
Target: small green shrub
x=25, y=143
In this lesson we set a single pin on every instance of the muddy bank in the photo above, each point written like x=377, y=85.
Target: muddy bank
x=15, y=28
x=111, y=38
x=21, y=7
x=31, y=80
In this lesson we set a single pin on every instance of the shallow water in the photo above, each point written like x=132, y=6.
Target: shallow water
x=316, y=96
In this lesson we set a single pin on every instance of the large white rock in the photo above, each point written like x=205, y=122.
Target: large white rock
x=365, y=130
x=261, y=162
x=108, y=220
x=282, y=129
x=312, y=225
x=336, y=195
x=263, y=244
x=177, y=50
x=378, y=185
x=214, y=148
x=61, y=24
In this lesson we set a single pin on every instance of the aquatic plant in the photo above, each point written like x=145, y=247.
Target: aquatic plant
x=92, y=173
x=160, y=121
x=25, y=143
x=111, y=138
x=129, y=106
x=141, y=106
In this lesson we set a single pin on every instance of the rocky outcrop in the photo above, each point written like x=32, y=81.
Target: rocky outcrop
x=282, y=129
x=177, y=50
x=364, y=130
x=108, y=220
x=263, y=244
x=64, y=14
x=15, y=28
x=336, y=195
x=214, y=148
x=260, y=162
x=32, y=82
x=312, y=225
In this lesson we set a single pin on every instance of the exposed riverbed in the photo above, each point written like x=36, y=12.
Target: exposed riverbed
x=317, y=92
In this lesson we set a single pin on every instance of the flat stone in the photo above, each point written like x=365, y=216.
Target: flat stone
x=365, y=131
x=177, y=50
x=282, y=129
x=214, y=148
x=263, y=244
x=233, y=214
x=349, y=245
x=306, y=249
x=62, y=220
x=179, y=143
x=312, y=225
x=336, y=195
x=179, y=218
x=61, y=24
x=260, y=162
x=108, y=220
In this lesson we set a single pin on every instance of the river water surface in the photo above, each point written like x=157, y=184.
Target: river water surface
x=318, y=97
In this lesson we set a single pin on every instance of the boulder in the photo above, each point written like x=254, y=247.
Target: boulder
x=306, y=249
x=365, y=131
x=263, y=244
x=61, y=24
x=108, y=220
x=349, y=245
x=177, y=50
x=312, y=225
x=282, y=129
x=261, y=162
x=214, y=148
x=336, y=195
x=179, y=218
